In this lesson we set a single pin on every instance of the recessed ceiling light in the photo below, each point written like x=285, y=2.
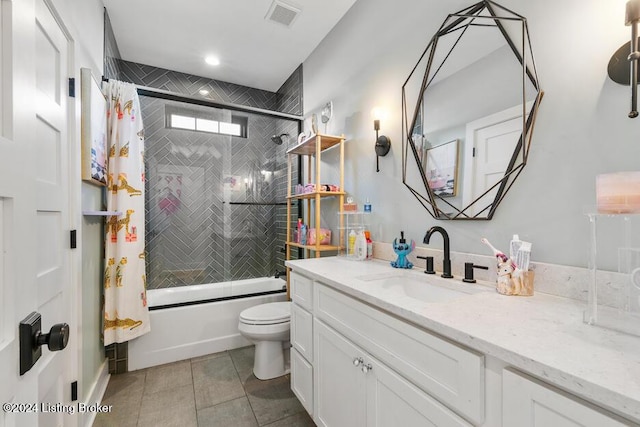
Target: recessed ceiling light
x=212, y=60
x=204, y=92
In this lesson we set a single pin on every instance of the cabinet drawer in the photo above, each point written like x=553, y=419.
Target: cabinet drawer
x=302, y=380
x=301, y=290
x=451, y=374
x=302, y=331
x=528, y=403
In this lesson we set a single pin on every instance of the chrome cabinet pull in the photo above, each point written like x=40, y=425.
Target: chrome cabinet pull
x=366, y=368
x=358, y=361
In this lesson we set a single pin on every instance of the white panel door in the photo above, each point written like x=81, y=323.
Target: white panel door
x=489, y=145
x=34, y=207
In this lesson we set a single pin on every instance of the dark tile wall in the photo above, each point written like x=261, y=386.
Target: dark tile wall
x=289, y=96
x=111, y=52
x=194, y=244
x=188, y=84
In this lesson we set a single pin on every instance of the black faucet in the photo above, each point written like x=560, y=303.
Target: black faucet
x=446, y=263
x=280, y=274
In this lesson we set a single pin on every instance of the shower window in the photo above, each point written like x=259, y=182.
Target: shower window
x=215, y=202
x=201, y=121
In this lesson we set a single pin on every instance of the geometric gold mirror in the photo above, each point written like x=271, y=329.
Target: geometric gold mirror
x=469, y=108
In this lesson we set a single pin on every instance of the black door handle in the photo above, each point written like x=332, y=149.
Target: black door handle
x=56, y=339
x=32, y=339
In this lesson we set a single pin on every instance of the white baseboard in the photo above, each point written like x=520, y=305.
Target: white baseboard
x=96, y=393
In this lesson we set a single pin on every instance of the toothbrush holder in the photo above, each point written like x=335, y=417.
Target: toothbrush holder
x=515, y=285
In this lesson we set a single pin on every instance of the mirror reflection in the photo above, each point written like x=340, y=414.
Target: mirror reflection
x=468, y=128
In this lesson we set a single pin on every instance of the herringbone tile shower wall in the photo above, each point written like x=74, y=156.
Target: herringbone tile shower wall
x=188, y=84
x=212, y=200
x=212, y=212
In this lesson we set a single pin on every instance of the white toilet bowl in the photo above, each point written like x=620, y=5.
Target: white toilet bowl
x=268, y=326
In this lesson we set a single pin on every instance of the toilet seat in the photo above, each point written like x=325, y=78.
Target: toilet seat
x=267, y=314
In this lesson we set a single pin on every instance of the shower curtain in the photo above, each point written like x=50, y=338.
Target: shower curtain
x=126, y=315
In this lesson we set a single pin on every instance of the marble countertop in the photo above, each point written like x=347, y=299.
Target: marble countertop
x=542, y=335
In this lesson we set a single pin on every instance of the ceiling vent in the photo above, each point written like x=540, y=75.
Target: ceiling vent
x=282, y=13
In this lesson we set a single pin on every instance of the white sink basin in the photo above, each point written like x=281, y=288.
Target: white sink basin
x=419, y=288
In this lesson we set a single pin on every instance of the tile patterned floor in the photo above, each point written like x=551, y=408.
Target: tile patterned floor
x=218, y=390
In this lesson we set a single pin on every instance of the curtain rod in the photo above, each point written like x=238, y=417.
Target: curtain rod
x=173, y=96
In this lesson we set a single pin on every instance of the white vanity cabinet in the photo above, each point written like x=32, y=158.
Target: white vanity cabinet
x=366, y=368
x=357, y=361
x=352, y=388
x=530, y=403
x=302, y=339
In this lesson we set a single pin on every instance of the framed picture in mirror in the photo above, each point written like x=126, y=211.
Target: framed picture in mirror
x=441, y=168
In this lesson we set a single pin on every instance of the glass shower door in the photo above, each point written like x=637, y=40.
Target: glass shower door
x=187, y=242
x=215, y=196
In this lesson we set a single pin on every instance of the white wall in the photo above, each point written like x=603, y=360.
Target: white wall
x=84, y=20
x=582, y=128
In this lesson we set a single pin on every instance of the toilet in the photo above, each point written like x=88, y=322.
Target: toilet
x=267, y=326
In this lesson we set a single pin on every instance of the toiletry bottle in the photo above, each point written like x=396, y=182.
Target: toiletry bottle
x=523, y=256
x=361, y=246
x=367, y=206
x=367, y=234
x=303, y=234
x=352, y=242
x=298, y=229
x=514, y=245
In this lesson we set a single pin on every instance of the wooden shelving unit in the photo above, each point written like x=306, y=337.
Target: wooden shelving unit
x=312, y=148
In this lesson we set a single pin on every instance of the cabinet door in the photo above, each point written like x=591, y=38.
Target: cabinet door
x=302, y=331
x=393, y=401
x=302, y=380
x=527, y=403
x=339, y=385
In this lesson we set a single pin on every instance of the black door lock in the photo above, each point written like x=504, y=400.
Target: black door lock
x=32, y=338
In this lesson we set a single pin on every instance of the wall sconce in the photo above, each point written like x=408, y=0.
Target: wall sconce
x=619, y=69
x=383, y=144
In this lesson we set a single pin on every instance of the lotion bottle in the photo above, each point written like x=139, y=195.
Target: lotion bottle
x=352, y=242
x=367, y=234
x=361, y=246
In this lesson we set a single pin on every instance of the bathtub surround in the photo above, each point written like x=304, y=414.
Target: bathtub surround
x=180, y=333
x=212, y=200
x=256, y=157
x=126, y=315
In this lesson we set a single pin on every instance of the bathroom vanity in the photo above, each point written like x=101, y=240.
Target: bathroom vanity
x=372, y=345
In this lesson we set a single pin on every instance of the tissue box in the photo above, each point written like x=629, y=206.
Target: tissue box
x=324, y=236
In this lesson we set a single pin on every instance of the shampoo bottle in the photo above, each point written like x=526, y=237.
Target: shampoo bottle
x=367, y=234
x=352, y=242
x=361, y=246
x=367, y=206
x=303, y=234
x=298, y=237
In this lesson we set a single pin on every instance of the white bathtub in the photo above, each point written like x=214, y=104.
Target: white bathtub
x=197, y=328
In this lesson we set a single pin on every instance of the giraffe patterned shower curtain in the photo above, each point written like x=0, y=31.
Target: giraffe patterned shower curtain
x=126, y=315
